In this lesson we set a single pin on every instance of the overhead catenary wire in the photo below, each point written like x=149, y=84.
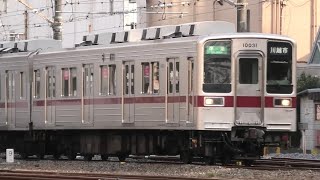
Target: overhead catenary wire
x=81, y=18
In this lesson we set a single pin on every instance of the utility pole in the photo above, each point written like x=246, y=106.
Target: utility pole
x=242, y=19
x=57, y=23
x=242, y=16
x=26, y=20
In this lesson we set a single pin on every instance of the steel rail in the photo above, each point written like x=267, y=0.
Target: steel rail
x=47, y=175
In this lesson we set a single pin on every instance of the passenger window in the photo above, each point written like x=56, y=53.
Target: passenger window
x=171, y=80
x=69, y=81
x=10, y=85
x=132, y=79
x=155, y=77
x=0, y=86
x=51, y=82
x=248, y=71
x=22, y=85
x=145, y=78
x=177, y=77
x=107, y=84
x=104, y=84
x=150, y=78
x=112, y=79
x=127, y=79
x=37, y=83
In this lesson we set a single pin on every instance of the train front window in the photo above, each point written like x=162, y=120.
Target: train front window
x=279, y=68
x=217, y=67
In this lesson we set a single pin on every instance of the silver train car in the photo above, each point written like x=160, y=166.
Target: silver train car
x=198, y=92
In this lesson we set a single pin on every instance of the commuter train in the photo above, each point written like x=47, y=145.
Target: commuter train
x=195, y=90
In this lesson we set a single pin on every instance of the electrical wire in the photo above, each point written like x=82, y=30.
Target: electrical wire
x=122, y=26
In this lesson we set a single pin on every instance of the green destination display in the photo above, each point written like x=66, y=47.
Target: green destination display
x=217, y=50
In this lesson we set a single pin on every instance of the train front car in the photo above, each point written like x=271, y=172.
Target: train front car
x=246, y=94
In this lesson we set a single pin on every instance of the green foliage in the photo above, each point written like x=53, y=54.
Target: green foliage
x=307, y=82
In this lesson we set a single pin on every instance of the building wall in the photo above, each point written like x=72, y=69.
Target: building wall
x=295, y=18
x=307, y=116
x=76, y=20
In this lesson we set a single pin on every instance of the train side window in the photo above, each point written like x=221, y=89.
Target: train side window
x=107, y=83
x=104, y=80
x=248, y=71
x=67, y=83
x=126, y=91
x=177, y=77
x=170, y=77
x=132, y=79
x=155, y=77
x=22, y=85
x=51, y=82
x=37, y=79
x=112, y=79
x=73, y=83
x=150, y=78
x=145, y=78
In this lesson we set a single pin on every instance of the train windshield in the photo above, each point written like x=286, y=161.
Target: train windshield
x=279, y=68
x=217, y=67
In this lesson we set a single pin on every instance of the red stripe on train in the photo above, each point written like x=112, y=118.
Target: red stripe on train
x=242, y=101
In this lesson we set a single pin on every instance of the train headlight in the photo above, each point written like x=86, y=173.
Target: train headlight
x=285, y=102
x=282, y=102
x=213, y=101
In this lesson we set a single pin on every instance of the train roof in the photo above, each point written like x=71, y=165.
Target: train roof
x=189, y=32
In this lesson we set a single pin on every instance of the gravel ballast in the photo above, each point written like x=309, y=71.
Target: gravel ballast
x=134, y=167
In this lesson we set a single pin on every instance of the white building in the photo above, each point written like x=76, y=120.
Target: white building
x=32, y=19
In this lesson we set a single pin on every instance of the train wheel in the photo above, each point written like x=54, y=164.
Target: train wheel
x=88, y=157
x=122, y=157
x=23, y=155
x=104, y=157
x=56, y=156
x=71, y=156
x=225, y=160
x=248, y=162
x=40, y=156
x=210, y=160
x=186, y=157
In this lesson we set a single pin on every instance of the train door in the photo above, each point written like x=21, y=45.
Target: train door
x=128, y=103
x=190, y=97
x=249, y=91
x=50, y=108
x=10, y=102
x=173, y=91
x=87, y=96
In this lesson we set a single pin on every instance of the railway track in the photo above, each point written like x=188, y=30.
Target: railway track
x=40, y=175
x=285, y=164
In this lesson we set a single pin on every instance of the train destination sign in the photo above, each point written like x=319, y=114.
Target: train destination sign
x=279, y=49
x=215, y=50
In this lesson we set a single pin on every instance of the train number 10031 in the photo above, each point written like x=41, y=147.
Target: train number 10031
x=249, y=45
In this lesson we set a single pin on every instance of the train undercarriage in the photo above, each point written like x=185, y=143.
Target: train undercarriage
x=211, y=147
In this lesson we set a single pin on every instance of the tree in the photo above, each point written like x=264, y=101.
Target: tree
x=307, y=82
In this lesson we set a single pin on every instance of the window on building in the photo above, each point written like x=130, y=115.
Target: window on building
x=111, y=6
x=107, y=84
x=69, y=81
x=36, y=78
x=3, y=6
x=22, y=79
